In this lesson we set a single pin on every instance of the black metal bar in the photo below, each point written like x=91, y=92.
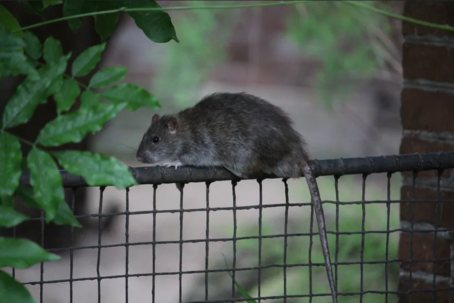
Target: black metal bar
x=223, y=270
x=259, y=270
x=350, y=166
x=234, y=238
x=153, y=290
x=207, y=236
x=388, y=216
x=71, y=251
x=307, y=234
x=41, y=277
x=98, y=260
x=311, y=244
x=127, y=248
x=285, y=238
x=249, y=207
x=435, y=235
x=363, y=238
x=410, y=282
x=336, y=255
x=180, y=275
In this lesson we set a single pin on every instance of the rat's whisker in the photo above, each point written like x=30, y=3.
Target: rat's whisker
x=127, y=153
x=131, y=148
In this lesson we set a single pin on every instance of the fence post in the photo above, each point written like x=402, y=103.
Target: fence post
x=427, y=113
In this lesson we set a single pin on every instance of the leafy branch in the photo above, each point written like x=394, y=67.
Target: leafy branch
x=121, y=7
x=44, y=66
x=400, y=17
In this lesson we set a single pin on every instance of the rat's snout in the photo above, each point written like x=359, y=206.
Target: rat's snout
x=141, y=157
x=144, y=157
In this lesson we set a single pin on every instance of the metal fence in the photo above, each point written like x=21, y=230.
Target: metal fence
x=283, y=264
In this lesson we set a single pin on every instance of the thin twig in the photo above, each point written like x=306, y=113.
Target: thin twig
x=18, y=138
x=185, y=8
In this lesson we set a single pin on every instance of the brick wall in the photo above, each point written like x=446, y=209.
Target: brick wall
x=427, y=113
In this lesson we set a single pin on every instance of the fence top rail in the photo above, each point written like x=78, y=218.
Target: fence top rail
x=332, y=167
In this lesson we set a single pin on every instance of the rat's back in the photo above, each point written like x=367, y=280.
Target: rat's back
x=240, y=112
x=247, y=133
x=240, y=104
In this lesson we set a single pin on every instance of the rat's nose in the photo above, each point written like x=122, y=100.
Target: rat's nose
x=139, y=158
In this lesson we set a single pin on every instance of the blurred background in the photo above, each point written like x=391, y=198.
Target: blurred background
x=336, y=69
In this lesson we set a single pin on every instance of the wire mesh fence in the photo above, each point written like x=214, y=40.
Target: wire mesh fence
x=219, y=237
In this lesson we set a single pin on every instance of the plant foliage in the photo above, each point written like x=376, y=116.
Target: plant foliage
x=335, y=34
x=43, y=63
x=204, y=35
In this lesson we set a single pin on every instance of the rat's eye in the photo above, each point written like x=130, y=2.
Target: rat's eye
x=155, y=139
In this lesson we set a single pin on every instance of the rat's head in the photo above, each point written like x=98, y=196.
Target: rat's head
x=160, y=143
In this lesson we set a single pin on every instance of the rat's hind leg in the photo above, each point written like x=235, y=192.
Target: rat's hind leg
x=237, y=170
x=244, y=164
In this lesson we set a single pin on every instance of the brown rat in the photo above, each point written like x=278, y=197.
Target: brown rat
x=240, y=132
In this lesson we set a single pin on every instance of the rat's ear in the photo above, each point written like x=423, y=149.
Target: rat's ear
x=172, y=124
x=155, y=118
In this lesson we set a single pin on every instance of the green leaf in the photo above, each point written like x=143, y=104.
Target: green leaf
x=46, y=181
x=105, y=24
x=244, y=293
x=87, y=60
x=10, y=23
x=89, y=99
x=32, y=7
x=107, y=76
x=33, y=46
x=73, y=126
x=10, y=45
x=30, y=94
x=156, y=25
x=67, y=95
x=97, y=170
x=64, y=214
x=10, y=164
x=27, y=196
x=13, y=291
x=7, y=201
x=33, y=64
x=9, y=217
x=240, y=288
x=55, y=86
x=22, y=253
x=12, y=60
x=71, y=8
x=50, y=3
x=18, y=66
x=52, y=50
x=135, y=96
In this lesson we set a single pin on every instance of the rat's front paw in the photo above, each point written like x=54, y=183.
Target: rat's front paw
x=170, y=164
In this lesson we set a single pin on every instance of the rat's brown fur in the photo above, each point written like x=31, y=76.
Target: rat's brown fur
x=238, y=131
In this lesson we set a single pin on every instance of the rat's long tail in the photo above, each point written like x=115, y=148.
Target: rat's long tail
x=313, y=188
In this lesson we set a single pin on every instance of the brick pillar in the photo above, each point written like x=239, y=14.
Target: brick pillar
x=427, y=113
